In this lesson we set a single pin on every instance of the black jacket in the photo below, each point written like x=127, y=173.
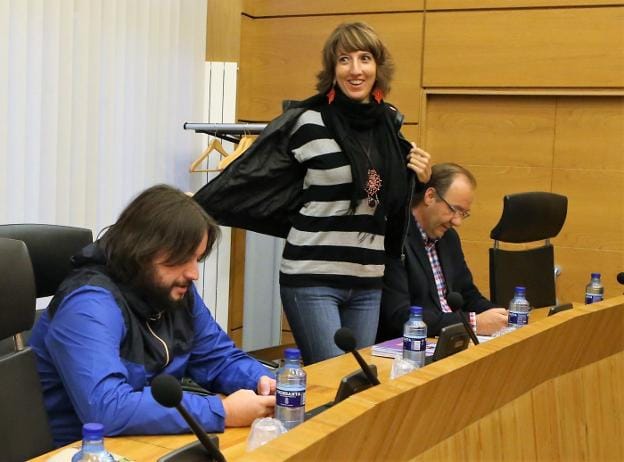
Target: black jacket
x=261, y=189
x=412, y=283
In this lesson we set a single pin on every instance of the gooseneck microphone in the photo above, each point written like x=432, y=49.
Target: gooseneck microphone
x=345, y=340
x=167, y=391
x=455, y=302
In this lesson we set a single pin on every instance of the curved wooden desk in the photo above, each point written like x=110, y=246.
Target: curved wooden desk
x=549, y=391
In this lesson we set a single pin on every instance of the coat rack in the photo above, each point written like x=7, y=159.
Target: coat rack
x=226, y=130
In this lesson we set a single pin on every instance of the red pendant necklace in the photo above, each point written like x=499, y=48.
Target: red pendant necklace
x=373, y=181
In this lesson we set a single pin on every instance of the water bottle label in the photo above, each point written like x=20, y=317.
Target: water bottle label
x=593, y=298
x=414, y=344
x=290, y=398
x=518, y=319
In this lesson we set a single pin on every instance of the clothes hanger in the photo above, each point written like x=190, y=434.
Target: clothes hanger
x=242, y=146
x=215, y=145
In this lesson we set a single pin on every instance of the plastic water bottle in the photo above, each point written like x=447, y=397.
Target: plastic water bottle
x=291, y=390
x=415, y=338
x=594, y=291
x=518, y=309
x=92, y=445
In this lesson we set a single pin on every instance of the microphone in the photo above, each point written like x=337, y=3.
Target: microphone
x=345, y=340
x=167, y=391
x=620, y=278
x=455, y=302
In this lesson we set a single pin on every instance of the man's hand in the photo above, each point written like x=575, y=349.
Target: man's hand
x=243, y=406
x=419, y=161
x=266, y=386
x=491, y=321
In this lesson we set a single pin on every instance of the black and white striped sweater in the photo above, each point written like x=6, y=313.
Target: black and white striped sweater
x=327, y=245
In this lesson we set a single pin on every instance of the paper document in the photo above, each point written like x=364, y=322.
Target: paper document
x=392, y=348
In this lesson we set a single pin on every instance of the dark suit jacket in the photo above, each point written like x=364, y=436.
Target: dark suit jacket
x=412, y=283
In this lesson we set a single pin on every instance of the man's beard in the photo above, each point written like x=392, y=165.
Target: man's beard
x=156, y=295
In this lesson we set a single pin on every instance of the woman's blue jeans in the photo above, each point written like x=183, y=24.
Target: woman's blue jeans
x=316, y=313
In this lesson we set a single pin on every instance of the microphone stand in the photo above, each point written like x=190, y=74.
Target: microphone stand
x=468, y=327
x=215, y=454
x=455, y=302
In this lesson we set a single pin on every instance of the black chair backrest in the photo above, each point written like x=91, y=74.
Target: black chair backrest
x=24, y=428
x=527, y=217
x=17, y=288
x=50, y=248
x=531, y=268
x=530, y=217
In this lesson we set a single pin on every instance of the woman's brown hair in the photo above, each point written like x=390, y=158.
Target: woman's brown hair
x=355, y=36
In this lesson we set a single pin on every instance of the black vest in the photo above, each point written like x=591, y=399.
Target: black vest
x=139, y=346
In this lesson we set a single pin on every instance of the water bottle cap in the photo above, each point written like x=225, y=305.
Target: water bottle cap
x=520, y=289
x=416, y=310
x=292, y=353
x=595, y=275
x=93, y=431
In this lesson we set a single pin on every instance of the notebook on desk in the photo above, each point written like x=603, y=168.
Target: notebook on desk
x=452, y=339
x=393, y=347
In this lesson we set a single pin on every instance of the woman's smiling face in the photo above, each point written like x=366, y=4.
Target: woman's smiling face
x=356, y=72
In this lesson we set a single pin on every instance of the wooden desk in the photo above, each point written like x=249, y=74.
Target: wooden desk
x=323, y=381
x=514, y=390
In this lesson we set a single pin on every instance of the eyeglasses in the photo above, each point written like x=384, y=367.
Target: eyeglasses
x=464, y=214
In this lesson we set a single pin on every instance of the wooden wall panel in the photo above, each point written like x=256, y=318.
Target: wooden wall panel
x=595, y=208
x=280, y=58
x=433, y=5
x=590, y=133
x=237, y=336
x=223, y=30
x=259, y=8
x=491, y=130
x=559, y=47
x=411, y=132
x=237, y=285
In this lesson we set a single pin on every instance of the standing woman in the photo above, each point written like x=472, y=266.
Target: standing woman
x=338, y=163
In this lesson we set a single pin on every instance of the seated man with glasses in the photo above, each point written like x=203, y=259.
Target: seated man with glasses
x=434, y=263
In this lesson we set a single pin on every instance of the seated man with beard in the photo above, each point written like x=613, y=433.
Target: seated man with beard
x=130, y=311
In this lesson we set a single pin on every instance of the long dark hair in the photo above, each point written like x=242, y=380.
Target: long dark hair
x=161, y=219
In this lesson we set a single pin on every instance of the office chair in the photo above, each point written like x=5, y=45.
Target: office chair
x=50, y=248
x=24, y=428
x=527, y=217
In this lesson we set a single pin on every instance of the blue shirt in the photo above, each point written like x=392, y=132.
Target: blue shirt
x=85, y=379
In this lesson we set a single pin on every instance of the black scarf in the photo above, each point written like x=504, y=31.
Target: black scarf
x=345, y=115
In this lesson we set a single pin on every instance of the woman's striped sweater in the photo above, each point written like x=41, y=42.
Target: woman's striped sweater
x=328, y=245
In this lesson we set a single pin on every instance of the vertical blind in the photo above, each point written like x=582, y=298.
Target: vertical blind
x=93, y=96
